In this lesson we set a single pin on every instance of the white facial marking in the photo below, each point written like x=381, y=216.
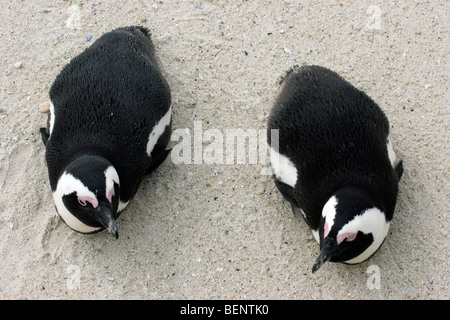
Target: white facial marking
x=370, y=221
x=68, y=184
x=326, y=229
x=346, y=236
x=329, y=212
x=111, y=177
x=283, y=168
x=52, y=118
x=157, y=131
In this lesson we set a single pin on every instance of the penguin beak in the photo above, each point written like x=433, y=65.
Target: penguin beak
x=106, y=218
x=329, y=249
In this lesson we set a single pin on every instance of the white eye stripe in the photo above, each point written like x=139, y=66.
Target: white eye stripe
x=111, y=177
x=329, y=213
x=371, y=221
x=67, y=184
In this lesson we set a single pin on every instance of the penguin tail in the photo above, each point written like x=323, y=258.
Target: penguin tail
x=399, y=169
x=144, y=30
x=288, y=73
x=138, y=29
x=296, y=69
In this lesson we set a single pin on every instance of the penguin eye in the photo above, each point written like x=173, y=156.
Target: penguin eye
x=346, y=236
x=83, y=201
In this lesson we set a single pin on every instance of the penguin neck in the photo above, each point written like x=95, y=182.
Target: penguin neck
x=331, y=181
x=83, y=158
x=88, y=154
x=365, y=192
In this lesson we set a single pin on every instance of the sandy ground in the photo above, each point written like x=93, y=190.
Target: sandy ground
x=205, y=231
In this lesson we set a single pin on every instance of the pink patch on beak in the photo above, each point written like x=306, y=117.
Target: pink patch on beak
x=326, y=230
x=346, y=236
x=92, y=201
x=111, y=193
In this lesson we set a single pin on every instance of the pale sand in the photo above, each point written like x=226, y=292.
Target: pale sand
x=204, y=231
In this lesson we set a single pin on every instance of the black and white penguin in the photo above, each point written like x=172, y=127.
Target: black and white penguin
x=109, y=125
x=332, y=159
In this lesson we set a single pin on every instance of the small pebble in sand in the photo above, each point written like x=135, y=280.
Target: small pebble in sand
x=18, y=64
x=88, y=38
x=44, y=107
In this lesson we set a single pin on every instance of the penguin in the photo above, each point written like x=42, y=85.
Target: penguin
x=333, y=161
x=108, y=127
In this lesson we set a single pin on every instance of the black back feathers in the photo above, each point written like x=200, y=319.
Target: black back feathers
x=106, y=102
x=336, y=136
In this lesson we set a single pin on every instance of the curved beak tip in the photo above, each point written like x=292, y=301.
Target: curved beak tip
x=106, y=218
x=114, y=232
x=112, y=228
x=329, y=248
x=316, y=266
x=320, y=260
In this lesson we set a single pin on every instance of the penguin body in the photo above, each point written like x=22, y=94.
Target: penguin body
x=334, y=162
x=109, y=125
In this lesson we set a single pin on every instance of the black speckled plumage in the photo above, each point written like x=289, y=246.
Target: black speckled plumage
x=335, y=135
x=106, y=102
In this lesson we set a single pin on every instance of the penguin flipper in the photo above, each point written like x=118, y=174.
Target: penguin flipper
x=287, y=192
x=157, y=159
x=44, y=135
x=399, y=169
x=298, y=212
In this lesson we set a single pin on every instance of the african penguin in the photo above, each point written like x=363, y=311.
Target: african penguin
x=332, y=159
x=109, y=125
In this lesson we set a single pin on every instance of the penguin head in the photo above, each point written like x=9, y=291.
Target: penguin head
x=87, y=195
x=352, y=227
